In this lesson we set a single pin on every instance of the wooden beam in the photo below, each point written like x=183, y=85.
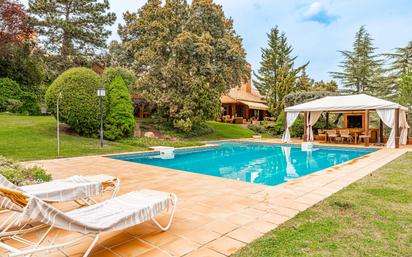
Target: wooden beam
x=396, y=128
x=367, y=128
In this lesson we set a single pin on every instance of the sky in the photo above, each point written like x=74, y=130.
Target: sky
x=316, y=29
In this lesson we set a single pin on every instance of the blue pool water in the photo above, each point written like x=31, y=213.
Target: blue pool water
x=267, y=164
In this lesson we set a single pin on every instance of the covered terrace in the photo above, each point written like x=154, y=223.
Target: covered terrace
x=356, y=110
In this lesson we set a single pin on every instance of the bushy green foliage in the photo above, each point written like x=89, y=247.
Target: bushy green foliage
x=23, y=65
x=13, y=99
x=79, y=104
x=20, y=175
x=128, y=77
x=119, y=121
x=301, y=97
x=187, y=57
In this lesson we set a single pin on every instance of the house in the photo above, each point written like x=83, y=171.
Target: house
x=243, y=104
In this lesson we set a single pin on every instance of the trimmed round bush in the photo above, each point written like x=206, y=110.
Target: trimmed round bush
x=119, y=121
x=128, y=77
x=79, y=103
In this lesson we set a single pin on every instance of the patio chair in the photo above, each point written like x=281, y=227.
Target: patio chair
x=332, y=135
x=79, y=189
x=345, y=135
x=115, y=214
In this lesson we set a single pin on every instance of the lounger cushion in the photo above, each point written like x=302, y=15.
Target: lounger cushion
x=111, y=215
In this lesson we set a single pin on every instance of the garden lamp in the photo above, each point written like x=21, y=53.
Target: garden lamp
x=101, y=92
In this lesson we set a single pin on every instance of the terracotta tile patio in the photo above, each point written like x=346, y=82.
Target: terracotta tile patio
x=215, y=216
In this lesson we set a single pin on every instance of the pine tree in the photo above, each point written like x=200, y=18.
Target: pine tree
x=304, y=83
x=277, y=76
x=71, y=30
x=401, y=60
x=185, y=56
x=361, y=67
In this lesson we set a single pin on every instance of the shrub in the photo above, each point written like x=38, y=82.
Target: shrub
x=30, y=104
x=128, y=77
x=13, y=99
x=120, y=121
x=20, y=176
x=79, y=104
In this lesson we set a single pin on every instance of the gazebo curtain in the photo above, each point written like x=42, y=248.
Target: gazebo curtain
x=313, y=118
x=404, y=126
x=388, y=117
x=290, y=119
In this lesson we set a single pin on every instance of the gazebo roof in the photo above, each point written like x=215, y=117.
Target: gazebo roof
x=345, y=103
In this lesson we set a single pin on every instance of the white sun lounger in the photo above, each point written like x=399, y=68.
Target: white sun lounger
x=74, y=188
x=115, y=214
x=77, y=188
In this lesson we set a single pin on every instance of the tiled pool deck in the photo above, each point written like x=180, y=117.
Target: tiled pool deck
x=215, y=216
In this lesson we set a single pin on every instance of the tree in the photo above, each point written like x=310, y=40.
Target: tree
x=401, y=60
x=71, y=30
x=186, y=57
x=13, y=26
x=361, y=67
x=120, y=121
x=304, y=82
x=405, y=90
x=277, y=76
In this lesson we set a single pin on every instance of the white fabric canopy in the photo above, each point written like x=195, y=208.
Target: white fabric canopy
x=313, y=118
x=345, y=103
x=290, y=119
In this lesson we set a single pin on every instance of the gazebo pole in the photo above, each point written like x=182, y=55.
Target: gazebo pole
x=366, y=128
x=285, y=123
x=396, y=128
x=305, y=126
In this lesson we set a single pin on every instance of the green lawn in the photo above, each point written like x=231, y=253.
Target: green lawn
x=32, y=138
x=372, y=217
x=227, y=131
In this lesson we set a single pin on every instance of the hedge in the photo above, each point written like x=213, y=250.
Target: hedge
x=13, y=99
x=79, y=104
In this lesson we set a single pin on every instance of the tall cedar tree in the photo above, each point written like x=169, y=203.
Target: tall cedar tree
x=71, y=30
x=277, y=75
x=361, y=67
x=186, y=57
x=400, y=64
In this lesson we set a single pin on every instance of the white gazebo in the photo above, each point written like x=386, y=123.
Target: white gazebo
x=392, y=115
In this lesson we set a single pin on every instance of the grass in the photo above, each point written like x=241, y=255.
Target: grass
x=227, y=131
x=32, y=137
x=372, y=217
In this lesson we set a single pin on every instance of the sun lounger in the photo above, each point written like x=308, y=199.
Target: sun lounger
x=115, y=214
x=80, y=189
x=76, y=188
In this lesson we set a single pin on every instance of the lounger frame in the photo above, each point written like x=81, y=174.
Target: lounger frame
x=38, y=247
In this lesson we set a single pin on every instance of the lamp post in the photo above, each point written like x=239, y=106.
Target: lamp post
x=101, y=92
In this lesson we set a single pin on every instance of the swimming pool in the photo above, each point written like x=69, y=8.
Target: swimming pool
x=268, y=164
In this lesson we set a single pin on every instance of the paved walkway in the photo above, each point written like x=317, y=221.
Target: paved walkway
x=215, y=216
